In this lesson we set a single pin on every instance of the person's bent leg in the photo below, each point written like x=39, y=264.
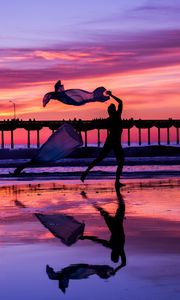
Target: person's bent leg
x=92, y=165
x=105, y=150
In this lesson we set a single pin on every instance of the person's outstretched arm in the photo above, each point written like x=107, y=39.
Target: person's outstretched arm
x=95, y=239
x=114, y=97
x=120, y=103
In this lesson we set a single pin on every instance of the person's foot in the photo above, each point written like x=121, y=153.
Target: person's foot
x=119, y=184
x=83, y=194
x=16, y=172
x=83, y=176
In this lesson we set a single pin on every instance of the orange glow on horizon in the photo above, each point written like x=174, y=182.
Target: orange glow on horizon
x=147, y=94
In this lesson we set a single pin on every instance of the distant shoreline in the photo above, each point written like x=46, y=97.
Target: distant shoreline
x=145, y=155
x=94, y=175
x=91, y=152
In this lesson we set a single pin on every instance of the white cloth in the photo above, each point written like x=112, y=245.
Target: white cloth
x=75, y=96
x=61, y=143
x=64, y=227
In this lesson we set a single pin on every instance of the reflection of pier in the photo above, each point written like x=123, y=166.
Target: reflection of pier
x=85, y=126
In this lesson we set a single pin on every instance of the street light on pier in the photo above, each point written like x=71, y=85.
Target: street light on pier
x=14, y=107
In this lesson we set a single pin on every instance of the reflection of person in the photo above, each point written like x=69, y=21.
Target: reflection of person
x=113, y=141
x=115, y=225
x=79, y=271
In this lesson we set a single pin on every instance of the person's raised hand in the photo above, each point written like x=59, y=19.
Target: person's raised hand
x=109, y=93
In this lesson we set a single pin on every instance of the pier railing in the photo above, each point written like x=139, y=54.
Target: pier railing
x=85, y=126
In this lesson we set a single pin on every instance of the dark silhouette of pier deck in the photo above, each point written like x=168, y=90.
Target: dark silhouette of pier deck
x=85, y=126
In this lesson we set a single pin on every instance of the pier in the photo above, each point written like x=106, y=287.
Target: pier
x=87, y=125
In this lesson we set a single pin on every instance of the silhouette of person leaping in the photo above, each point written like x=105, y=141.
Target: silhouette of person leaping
x=113, y=140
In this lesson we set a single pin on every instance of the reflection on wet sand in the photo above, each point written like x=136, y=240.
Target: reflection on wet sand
x=115, y=243
x=69, y=231
x=62, y=226
x=79, y=271
x=116, y=228
x=152, y=240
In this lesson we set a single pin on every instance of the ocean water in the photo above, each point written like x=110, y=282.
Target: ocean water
x=134, y=167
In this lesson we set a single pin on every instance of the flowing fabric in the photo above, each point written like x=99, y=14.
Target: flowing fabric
x=64, y=227
x=75, y=96
x=60, y=144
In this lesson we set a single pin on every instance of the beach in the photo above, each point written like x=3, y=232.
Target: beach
x=151, y=228
x=150, y=199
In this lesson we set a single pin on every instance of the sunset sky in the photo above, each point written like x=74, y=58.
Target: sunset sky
x=129, y=47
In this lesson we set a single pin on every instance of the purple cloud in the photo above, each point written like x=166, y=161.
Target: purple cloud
x=24, y=67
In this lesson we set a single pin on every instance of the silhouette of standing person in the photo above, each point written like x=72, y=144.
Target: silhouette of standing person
x=113, y=140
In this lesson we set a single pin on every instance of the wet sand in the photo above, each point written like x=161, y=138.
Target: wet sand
x=151, y=228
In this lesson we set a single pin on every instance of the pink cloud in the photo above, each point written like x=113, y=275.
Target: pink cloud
x=119, y=54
